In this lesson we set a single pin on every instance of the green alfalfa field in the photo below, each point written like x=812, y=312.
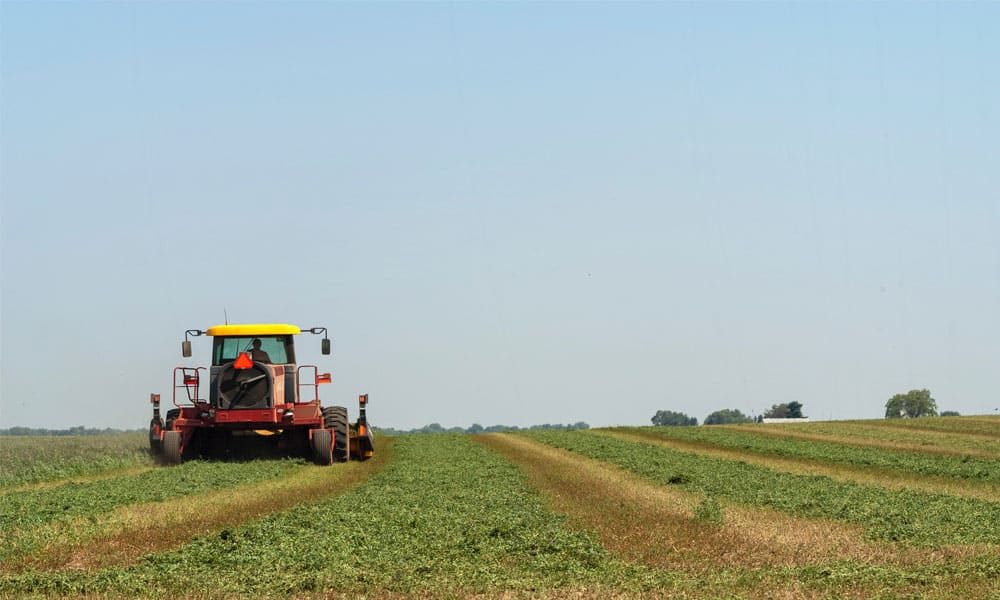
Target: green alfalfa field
x=862, y=509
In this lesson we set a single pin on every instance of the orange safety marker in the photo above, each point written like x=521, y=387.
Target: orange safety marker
x=243, y=361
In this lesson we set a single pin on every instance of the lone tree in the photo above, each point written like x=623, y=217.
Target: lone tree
x=787, y=410
x=727, y=416
x=669, y=417
x=912, y=404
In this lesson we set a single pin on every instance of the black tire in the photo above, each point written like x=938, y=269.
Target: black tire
x=172, y=447
x=321, y=451
x=155, y=445
x=335, y=419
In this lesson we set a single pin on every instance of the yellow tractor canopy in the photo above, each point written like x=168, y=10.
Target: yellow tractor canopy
x=251, y=329
x=281, y=333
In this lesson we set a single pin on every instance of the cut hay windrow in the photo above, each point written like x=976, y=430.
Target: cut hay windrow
x=855, y=432
x=660, y=525
x=94, y=477
x=36, y=458
x=977, y=457
x=74, y=512
x=118, y=538
x=974, y=426
x=981, y=476
x=664, y=525
x=446, y=517
x=804, y=466
x=905, y=516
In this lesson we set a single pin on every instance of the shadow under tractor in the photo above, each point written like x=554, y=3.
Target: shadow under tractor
x=255, y=404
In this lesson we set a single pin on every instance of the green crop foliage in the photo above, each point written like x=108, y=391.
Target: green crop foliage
x=899, y=516
x=29, y=518
x=983, y=425
x=447, y=516
x=31, y=459
x=959, y=467
x=885, y=431
x=708, y=510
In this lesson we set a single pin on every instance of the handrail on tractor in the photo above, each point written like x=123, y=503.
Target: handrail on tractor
x=190, y=378
x=318, y=378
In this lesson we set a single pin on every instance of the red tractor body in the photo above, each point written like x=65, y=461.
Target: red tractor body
x=258, y=399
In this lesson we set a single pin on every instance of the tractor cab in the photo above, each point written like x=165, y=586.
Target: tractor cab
x=253, y=366
x=271, y=349
x=255, y=386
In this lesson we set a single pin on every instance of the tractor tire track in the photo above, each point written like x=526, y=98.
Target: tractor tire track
x=133, y=531
x=892, y=480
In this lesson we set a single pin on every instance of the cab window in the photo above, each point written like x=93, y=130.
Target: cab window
x=277, y=347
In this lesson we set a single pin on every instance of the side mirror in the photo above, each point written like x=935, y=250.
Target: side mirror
x=185, y=348
x=326, y=345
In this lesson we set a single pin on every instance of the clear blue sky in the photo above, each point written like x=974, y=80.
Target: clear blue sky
x=505, y=212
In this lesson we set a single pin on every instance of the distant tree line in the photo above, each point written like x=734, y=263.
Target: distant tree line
x=788, y=410
x=669, y=417
x=725, y=416
x=914, y=404
x=477, y=428
x=729, y=416
x=78, y=430
x=911, y=405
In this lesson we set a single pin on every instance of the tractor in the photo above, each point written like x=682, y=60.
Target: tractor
x=256, y=399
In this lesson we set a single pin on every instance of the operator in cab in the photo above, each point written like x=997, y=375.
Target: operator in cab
x=258, y=355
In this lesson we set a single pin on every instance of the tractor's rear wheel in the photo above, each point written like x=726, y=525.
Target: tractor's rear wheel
x=322, y=453
x=155, y=445
x=335, y=418
x=172, y=447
